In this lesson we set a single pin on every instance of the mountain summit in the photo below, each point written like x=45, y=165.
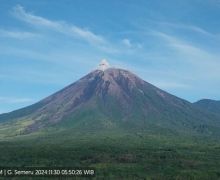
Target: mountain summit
x=111, y=98
x=103, y=65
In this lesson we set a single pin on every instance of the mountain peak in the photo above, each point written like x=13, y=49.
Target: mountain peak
x=103, y=65
x=111, y=98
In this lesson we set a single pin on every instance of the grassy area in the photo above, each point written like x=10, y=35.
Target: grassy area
x=117, y=156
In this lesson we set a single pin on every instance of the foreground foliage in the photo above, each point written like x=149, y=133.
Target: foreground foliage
x=117, y=156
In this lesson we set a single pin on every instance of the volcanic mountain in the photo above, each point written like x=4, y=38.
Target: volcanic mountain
x=110, y=98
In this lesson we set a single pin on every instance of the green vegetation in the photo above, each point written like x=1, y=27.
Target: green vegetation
x=114, y=155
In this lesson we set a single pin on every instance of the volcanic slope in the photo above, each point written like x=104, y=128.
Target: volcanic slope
x=107, y=99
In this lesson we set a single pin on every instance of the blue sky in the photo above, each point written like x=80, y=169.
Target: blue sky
x=46, y=45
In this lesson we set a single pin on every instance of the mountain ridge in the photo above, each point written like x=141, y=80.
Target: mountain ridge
x=112, y=98
x=209, y=105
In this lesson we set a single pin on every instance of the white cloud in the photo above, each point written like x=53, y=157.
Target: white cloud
x=180, y=45
x=185, y=47
x=12, y=100
x=127, y=42
x=58, y=26
x=200, y=59
x=75, y=32
x=17, y=34
x=190, y=27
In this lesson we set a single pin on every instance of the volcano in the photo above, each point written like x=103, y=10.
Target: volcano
x=108, y=99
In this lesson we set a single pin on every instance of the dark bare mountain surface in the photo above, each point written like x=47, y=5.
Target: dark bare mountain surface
x=110, y=98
